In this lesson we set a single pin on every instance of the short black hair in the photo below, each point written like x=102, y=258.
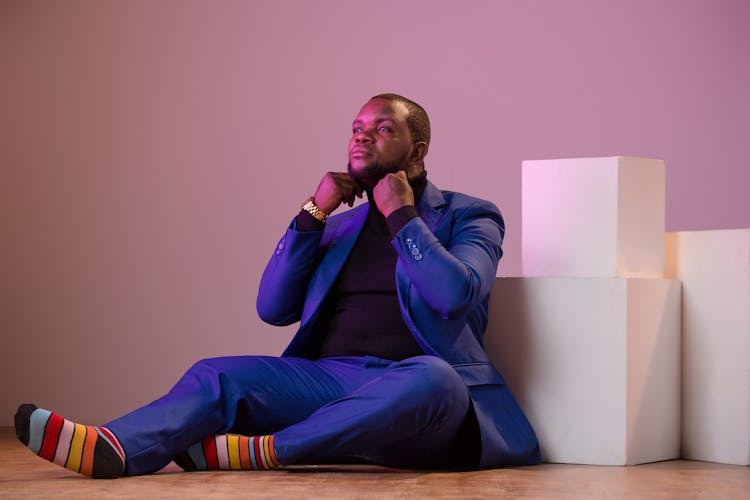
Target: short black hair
x=417, y=121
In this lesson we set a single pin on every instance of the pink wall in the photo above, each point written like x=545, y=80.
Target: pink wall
x=152, y=152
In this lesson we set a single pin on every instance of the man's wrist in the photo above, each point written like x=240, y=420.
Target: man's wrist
x=305, y=222
x=310, y=207
x=398, y=218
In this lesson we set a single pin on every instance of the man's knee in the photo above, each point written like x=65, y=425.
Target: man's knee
x=206, y=365
x=227, y=364
x=220, y=369
x=435, y=378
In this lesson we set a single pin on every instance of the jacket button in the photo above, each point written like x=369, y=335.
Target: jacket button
x=415, y=251
x=418, y=256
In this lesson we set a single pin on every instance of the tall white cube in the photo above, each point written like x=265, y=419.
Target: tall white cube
x=714, y=267
x=594, y=363
x=593, y=217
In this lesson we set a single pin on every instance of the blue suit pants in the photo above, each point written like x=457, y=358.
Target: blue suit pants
x=404, y=414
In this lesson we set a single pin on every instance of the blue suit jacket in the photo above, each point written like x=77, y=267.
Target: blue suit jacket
x=447, y=261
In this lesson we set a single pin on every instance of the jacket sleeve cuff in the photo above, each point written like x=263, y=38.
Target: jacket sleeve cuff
x=400, y=217
x=306, y=222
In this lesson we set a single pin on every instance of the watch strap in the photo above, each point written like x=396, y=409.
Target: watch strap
x=310, y=207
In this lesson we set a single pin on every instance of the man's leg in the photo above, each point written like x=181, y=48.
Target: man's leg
x=405, y=414
x=251, y=395
x=247, y=394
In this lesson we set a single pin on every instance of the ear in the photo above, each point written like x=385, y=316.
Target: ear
x=418, y=152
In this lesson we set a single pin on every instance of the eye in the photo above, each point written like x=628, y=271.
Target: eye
x=383, y=128
x=356, y=130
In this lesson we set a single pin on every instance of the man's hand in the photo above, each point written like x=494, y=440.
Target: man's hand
x=334, y=189
x=393, y=192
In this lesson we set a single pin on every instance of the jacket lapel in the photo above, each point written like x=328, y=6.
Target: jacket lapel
x=429, y=209
x=339, y=247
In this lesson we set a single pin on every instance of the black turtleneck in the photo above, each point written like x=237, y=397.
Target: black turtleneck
x=363, y=313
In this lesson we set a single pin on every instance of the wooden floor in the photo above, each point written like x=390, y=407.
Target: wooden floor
x=24, y=475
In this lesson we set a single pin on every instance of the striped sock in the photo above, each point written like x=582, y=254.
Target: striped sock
x=92, y=451
x=230, y=452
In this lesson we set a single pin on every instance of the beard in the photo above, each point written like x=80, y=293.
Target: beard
x=371, y=174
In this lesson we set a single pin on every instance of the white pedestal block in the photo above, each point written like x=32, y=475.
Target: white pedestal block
x=593, y=217
x=714, y=267
x=594, y=363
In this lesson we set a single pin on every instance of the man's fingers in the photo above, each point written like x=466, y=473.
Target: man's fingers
x=337, y=188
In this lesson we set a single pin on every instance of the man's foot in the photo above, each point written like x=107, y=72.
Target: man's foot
x=92, y=451
x=230, y=452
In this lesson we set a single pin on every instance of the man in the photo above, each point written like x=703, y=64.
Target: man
x=387, y=365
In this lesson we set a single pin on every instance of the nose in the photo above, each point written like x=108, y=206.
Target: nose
x=363, y=136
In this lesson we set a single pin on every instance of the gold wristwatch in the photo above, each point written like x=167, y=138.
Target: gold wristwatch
x=311, y=208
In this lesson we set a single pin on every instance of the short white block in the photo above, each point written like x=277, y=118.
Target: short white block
x=714, y=267
x=594, y=363
x=593, y=217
